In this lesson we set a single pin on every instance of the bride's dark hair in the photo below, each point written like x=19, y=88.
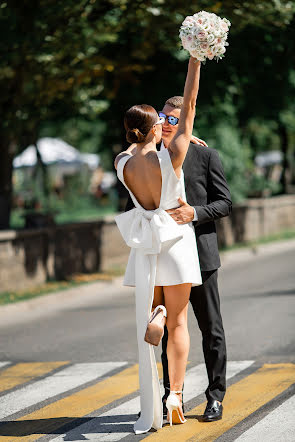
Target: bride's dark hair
x=138, y=121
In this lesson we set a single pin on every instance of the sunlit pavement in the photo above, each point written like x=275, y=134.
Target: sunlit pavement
x=72, y=374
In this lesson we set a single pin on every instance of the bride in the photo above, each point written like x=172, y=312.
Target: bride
x=163, y=261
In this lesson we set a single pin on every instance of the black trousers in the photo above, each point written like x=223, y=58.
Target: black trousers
x=206, y=305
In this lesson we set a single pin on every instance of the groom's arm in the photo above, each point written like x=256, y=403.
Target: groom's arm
x=129, y=204
x=218, y=193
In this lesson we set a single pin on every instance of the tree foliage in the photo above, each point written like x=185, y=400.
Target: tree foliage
x=81, y=63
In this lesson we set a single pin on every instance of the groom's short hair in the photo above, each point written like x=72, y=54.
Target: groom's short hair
x=175, y=102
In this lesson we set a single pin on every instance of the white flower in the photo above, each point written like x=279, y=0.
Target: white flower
x=206, y=26
x=201, y=35
x=224, y=26
x=204, y=35
x=210, y=55
x=210, y=38
x=218, y=49
x=225, y=20
x=204, y=45
x=195, y=54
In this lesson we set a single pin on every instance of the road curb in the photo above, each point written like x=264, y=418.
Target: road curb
x=232, y=257
x=51, y=303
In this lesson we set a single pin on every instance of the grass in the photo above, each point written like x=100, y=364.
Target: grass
x=54, y=286
x=22, y=295
x=91, y=214
x=17, y=220
x=284, y=235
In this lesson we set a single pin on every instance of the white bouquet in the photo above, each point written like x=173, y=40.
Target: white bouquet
x=204, y=35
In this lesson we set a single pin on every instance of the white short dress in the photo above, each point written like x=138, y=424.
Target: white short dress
x=162, y=253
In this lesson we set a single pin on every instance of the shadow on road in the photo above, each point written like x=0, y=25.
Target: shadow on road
x=63, y=425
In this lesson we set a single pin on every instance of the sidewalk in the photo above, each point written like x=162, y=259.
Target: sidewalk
x=232, y=257
x=98, y=292
x=46, y=305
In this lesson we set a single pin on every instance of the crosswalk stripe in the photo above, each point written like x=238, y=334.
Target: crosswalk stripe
x=100, y=428
x=26, y=371
x=279, y=425
x=241, y=400
x=79, y=404
x=60, y=382
x=195, y=383
x=3, y=363
x=196, y=378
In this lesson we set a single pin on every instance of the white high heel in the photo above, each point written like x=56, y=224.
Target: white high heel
x=173, y=405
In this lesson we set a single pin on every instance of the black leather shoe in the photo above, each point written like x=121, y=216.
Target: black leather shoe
x=213, y=411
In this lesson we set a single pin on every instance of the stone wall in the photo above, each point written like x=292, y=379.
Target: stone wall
x=30, y=257
x=257, y=218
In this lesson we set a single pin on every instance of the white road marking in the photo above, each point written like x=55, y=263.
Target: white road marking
x=70, y=377
x=118, y=422
x=2, y=364
x=196, y=379
x=277, y=426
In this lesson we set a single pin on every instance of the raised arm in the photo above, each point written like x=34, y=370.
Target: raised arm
x=180, y=142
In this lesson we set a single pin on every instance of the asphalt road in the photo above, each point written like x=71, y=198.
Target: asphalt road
x=258, y=308
x=68, y=367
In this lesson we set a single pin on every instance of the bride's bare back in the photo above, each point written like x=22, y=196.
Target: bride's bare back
x=142, y=174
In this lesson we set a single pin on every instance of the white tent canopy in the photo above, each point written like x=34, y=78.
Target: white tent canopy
x=92, y=159
x=270, y=158
x=54, y=151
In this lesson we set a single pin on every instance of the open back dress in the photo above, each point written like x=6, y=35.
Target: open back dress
x=162, y=253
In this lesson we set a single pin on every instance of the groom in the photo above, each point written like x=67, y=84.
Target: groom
x=208, y=199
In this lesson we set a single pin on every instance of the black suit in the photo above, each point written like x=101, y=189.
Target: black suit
x=207, y=191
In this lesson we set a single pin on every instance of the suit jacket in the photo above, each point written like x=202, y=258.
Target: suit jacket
x=207, y=191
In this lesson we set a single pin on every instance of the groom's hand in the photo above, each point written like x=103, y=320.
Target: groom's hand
x=196, y=140
x=183, y=214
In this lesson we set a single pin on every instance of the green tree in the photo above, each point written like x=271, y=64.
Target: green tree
x=44, y=75
x=90, y=59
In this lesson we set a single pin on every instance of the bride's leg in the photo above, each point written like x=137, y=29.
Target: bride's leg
x=176, y=302
x=158, y=297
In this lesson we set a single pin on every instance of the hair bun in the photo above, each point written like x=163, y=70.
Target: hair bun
x=138, y=121
x=135, y=136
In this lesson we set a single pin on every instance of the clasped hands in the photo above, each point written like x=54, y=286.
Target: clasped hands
x=182, y=214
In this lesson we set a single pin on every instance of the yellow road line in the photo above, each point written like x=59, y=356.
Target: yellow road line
x=26, y=371
x=53, y=416
x=241, y=400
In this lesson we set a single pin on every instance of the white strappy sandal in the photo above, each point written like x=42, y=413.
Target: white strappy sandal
x=155, y=328
x=173, y=405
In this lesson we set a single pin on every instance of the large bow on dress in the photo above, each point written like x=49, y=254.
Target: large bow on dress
x=146, y=231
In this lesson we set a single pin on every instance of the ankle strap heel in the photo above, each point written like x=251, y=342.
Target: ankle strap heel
x=173, y=405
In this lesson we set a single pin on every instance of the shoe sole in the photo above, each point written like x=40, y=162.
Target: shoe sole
x=213, y=419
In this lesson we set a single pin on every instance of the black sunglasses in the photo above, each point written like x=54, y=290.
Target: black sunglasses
x=171, y=120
